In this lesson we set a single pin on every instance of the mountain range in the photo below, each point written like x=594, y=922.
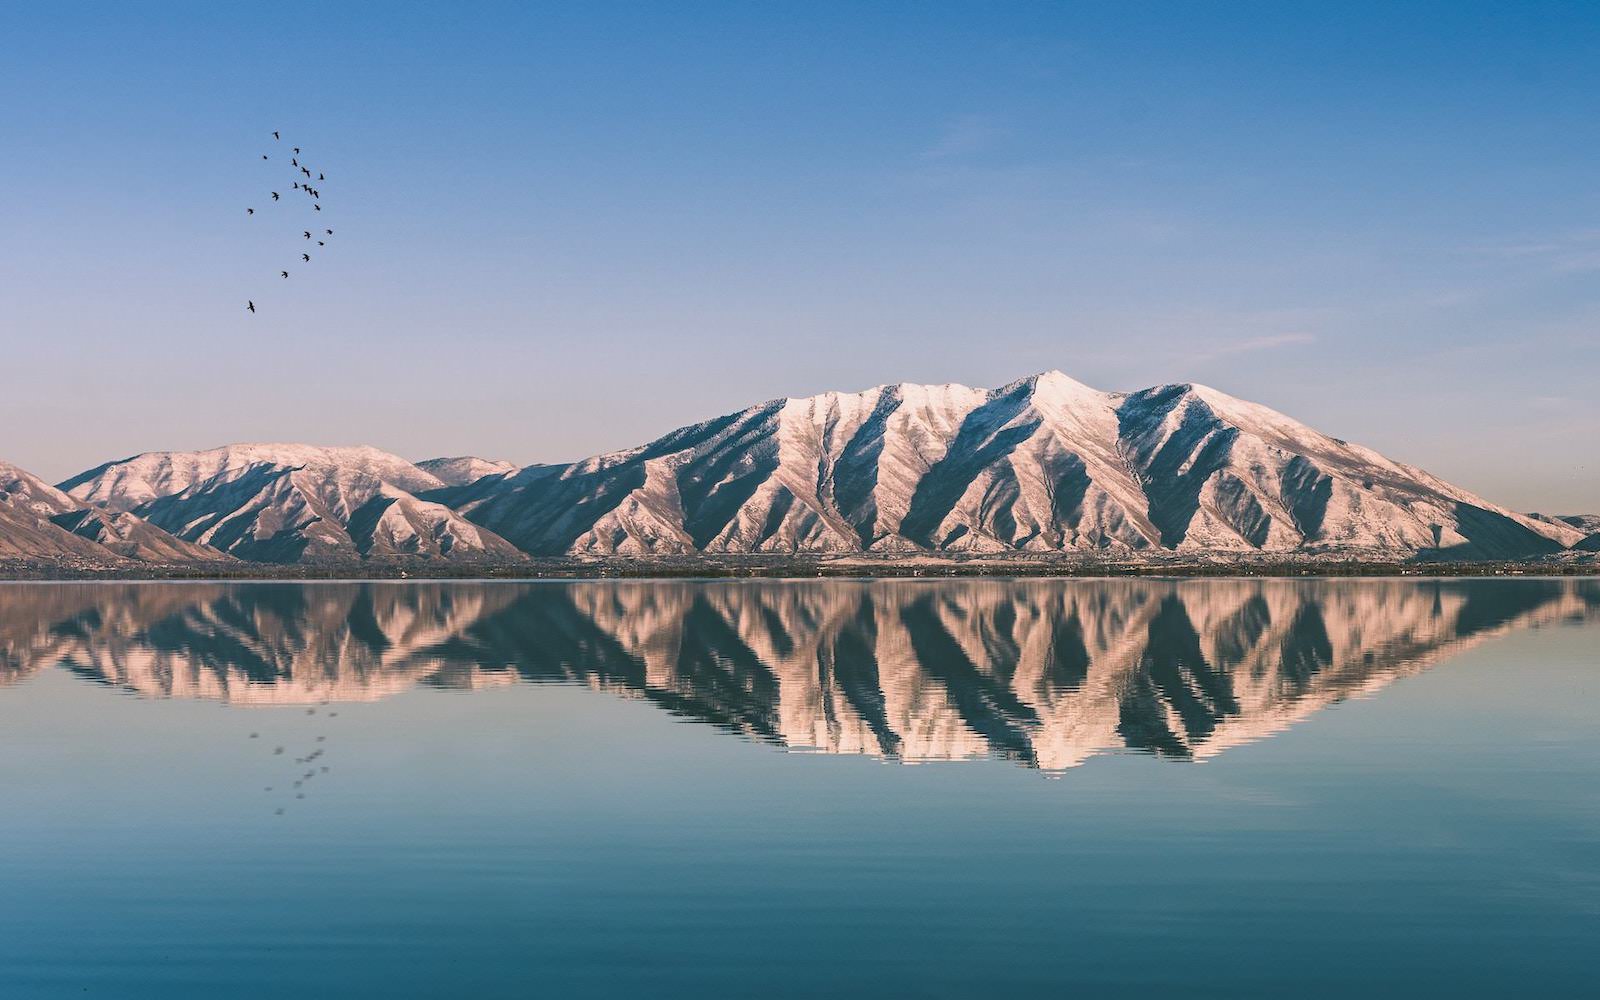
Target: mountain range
x=1044, y=467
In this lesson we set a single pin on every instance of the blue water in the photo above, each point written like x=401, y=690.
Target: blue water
x=1119, y=788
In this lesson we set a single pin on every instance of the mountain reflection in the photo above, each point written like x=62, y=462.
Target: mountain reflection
x=1044, y=672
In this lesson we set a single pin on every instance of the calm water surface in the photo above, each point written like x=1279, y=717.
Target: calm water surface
x=1137, y=787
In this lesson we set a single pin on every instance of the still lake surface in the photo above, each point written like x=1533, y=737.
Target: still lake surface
x=789, y=789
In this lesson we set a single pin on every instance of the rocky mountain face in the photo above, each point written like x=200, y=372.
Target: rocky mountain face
x=1042, y=465
x=1046, y=672
x=291, y=503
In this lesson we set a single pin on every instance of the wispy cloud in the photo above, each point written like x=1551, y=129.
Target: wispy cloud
x=1251, y=345
x=962, y=135
x=1570, y=252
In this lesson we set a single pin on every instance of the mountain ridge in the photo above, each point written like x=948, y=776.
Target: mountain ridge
x=1041, y=464
x=1042, y=467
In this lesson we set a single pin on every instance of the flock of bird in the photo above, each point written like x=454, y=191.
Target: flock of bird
x=306, y=183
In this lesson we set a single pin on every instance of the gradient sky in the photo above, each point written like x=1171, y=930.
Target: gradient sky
x=567, y=228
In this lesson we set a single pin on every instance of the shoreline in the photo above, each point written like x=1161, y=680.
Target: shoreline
x=789, y=569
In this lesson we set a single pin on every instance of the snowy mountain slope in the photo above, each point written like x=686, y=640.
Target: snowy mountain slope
x=40, y=512
x=130, y=535
x=464, y=470
x=291, y=503
x=26, y=538
x=1044, y=464
x=130, y=482
x=1589, y=524
x=1227, y=474
x=1041, y=465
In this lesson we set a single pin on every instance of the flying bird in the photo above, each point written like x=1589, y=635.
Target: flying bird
x=328, y=231
x=293, y=162
x=317, y=207
x=274, y=196
x=250, y=306
x=321, y=244
x=249, y=211
x=284, y=273
x=274, y=135
x=305, y=256
x=297, y=151
x=320, y=177
x=306, y=234
x=263, y=156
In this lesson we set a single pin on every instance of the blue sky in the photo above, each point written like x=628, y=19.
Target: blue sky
x=566, y=228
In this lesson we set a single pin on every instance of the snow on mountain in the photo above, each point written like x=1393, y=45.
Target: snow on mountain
x=39, y=514
x=21, y=490
x=130, y=535
x=291, y=503
x=130, y=482
x=1589, y=524
x=26, y=538
x=1044, y=464
x=464, y=470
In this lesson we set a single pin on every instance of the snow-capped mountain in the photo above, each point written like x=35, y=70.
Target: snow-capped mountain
x=291, y=503
x=1044, y=464
x=40, y=523
x=464, y=469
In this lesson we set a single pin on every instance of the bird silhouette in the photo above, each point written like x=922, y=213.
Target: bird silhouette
x=263, y=156
x=284, y=273
x=249, y=211
x=293, y=162
x=305, y=256
x=321, y=178
x=274, y=196
x=252, y=307
x=317, y=207
x=306, y=234
x=297, y=150
x=303, y=170
x=297, y=185
x=274, y=135
x=321, y=244
x=328, y=231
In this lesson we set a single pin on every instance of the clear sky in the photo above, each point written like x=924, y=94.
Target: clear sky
x=567, y=228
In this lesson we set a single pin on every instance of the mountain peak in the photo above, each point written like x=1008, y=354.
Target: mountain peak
x=1043, y=465
x=463, y=470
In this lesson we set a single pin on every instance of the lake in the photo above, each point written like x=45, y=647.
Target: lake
x=791, y=789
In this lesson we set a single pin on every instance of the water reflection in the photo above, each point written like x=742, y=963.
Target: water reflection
x=1048, y=673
